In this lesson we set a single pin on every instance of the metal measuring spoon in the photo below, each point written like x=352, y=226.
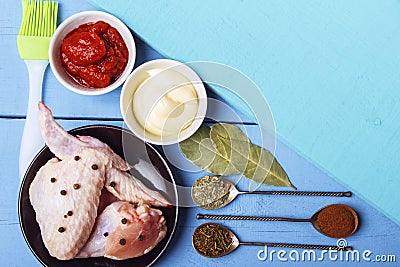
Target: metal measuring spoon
x=214, y=192
x=318, y=224
x=214, y=240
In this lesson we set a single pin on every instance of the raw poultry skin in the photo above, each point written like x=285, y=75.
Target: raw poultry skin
x=64, y=235
x=125, y=187
x=124, y=231
x=66, y=191
x=64, y=145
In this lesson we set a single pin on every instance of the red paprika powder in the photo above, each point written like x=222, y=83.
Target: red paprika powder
x=338, y=221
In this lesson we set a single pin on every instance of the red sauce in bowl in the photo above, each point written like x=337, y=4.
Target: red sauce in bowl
x=94, y=54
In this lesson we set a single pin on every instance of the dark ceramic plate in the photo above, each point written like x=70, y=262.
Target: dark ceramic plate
x=148, y=166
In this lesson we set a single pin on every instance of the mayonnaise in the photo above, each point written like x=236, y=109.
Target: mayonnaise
x=165, y=103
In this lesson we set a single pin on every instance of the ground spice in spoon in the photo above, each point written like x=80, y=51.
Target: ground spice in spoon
x=338, y=221
x=209, y=192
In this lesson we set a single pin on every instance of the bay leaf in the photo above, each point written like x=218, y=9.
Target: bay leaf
x=201, y=150
x=264, y=168
x=191, y=148
x=215, y=161
x=234, y=144
x=224, y=149
x=230, y=131
x=252, y=161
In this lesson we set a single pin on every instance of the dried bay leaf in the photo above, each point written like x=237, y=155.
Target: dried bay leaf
x=200, y=150
x=224, y=149
x=234, y=144
x=215, y=161
x=254, y=162
x=263, y=168
x=226, y=130
x=192, y=148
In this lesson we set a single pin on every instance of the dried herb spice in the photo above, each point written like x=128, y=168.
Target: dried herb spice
x=209, y=192
x=212, y=240
x=224, y=149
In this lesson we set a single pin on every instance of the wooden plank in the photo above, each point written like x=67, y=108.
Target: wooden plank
x=377, y=233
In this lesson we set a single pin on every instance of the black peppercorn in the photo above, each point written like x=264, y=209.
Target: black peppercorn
x=70, y=213
x=61, y=229
x=140, y=238
x=65, y=216
x=122, y=242
x=124, y=221
x=95, y=167
x=105, y=234
x=112, y=184
x=53, y=180
x=63, y=192
x=76, y=186
x=76, y=158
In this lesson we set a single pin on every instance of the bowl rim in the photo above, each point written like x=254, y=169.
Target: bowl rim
x=123, y=30
x=201, y=111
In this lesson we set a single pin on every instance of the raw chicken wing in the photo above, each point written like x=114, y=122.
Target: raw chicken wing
x=65, y=195
x=125, y=231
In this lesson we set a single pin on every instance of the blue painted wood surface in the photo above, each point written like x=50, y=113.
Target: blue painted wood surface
x=377, y=233
x=329, y=69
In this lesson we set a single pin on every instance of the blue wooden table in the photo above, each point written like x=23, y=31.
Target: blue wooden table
x=377, y=233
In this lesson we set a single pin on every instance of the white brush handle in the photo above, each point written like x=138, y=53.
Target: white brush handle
x=32, y=140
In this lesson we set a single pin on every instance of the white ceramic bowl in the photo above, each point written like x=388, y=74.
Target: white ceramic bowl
x=133, y=82
x=70, y=24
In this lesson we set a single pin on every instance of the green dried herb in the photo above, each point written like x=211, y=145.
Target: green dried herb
x=212, y=240
x=209, y=192
x=224, y=149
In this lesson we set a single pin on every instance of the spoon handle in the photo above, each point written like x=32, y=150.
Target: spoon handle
x=301, y=246
x=254, y=218
x=301, y=193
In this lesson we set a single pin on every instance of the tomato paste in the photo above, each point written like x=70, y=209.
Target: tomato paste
x=94, y=54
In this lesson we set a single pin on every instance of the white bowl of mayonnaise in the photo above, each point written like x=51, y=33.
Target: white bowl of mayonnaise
x=163, y=102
